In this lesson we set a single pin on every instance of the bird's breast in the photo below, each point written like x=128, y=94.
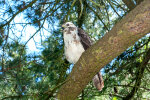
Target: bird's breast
x=73, y=51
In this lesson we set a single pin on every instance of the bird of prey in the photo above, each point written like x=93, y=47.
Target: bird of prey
x=76, y=41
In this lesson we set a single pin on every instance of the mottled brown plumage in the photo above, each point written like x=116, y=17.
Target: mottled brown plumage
x=85, y=39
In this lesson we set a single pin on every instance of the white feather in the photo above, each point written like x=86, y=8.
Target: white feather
x=73, y=49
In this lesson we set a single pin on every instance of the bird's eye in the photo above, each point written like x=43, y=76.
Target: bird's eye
x=67, y=24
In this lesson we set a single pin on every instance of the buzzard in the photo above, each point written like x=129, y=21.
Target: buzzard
x=76, y=41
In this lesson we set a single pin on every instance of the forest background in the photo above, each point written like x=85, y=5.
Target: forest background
x=32, y=62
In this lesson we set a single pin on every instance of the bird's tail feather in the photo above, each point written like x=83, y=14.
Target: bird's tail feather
x=98, y=81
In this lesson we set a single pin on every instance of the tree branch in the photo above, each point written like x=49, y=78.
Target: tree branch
x=124, y=34
x=21, y=10
x=98, y=16
x=139, y=76
x=131, y=86
x=109, y=1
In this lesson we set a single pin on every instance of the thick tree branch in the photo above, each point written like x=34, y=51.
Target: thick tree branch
x=124, y=34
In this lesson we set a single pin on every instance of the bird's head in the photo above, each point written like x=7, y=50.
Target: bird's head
x=68, y=24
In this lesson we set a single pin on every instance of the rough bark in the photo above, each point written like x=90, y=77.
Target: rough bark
x=124, y=34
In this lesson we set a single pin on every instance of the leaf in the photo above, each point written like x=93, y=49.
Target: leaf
x=114, y=98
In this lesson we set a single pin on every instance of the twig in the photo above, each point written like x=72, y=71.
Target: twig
x=21, y=10
x=113, y=8
x=70, y=9
x=81, y=8
x=95, y=3
x=97, y=16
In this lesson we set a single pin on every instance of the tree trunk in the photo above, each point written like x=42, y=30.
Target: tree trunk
x=124, y=34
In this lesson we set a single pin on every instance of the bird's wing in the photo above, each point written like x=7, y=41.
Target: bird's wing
x=85, y=39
